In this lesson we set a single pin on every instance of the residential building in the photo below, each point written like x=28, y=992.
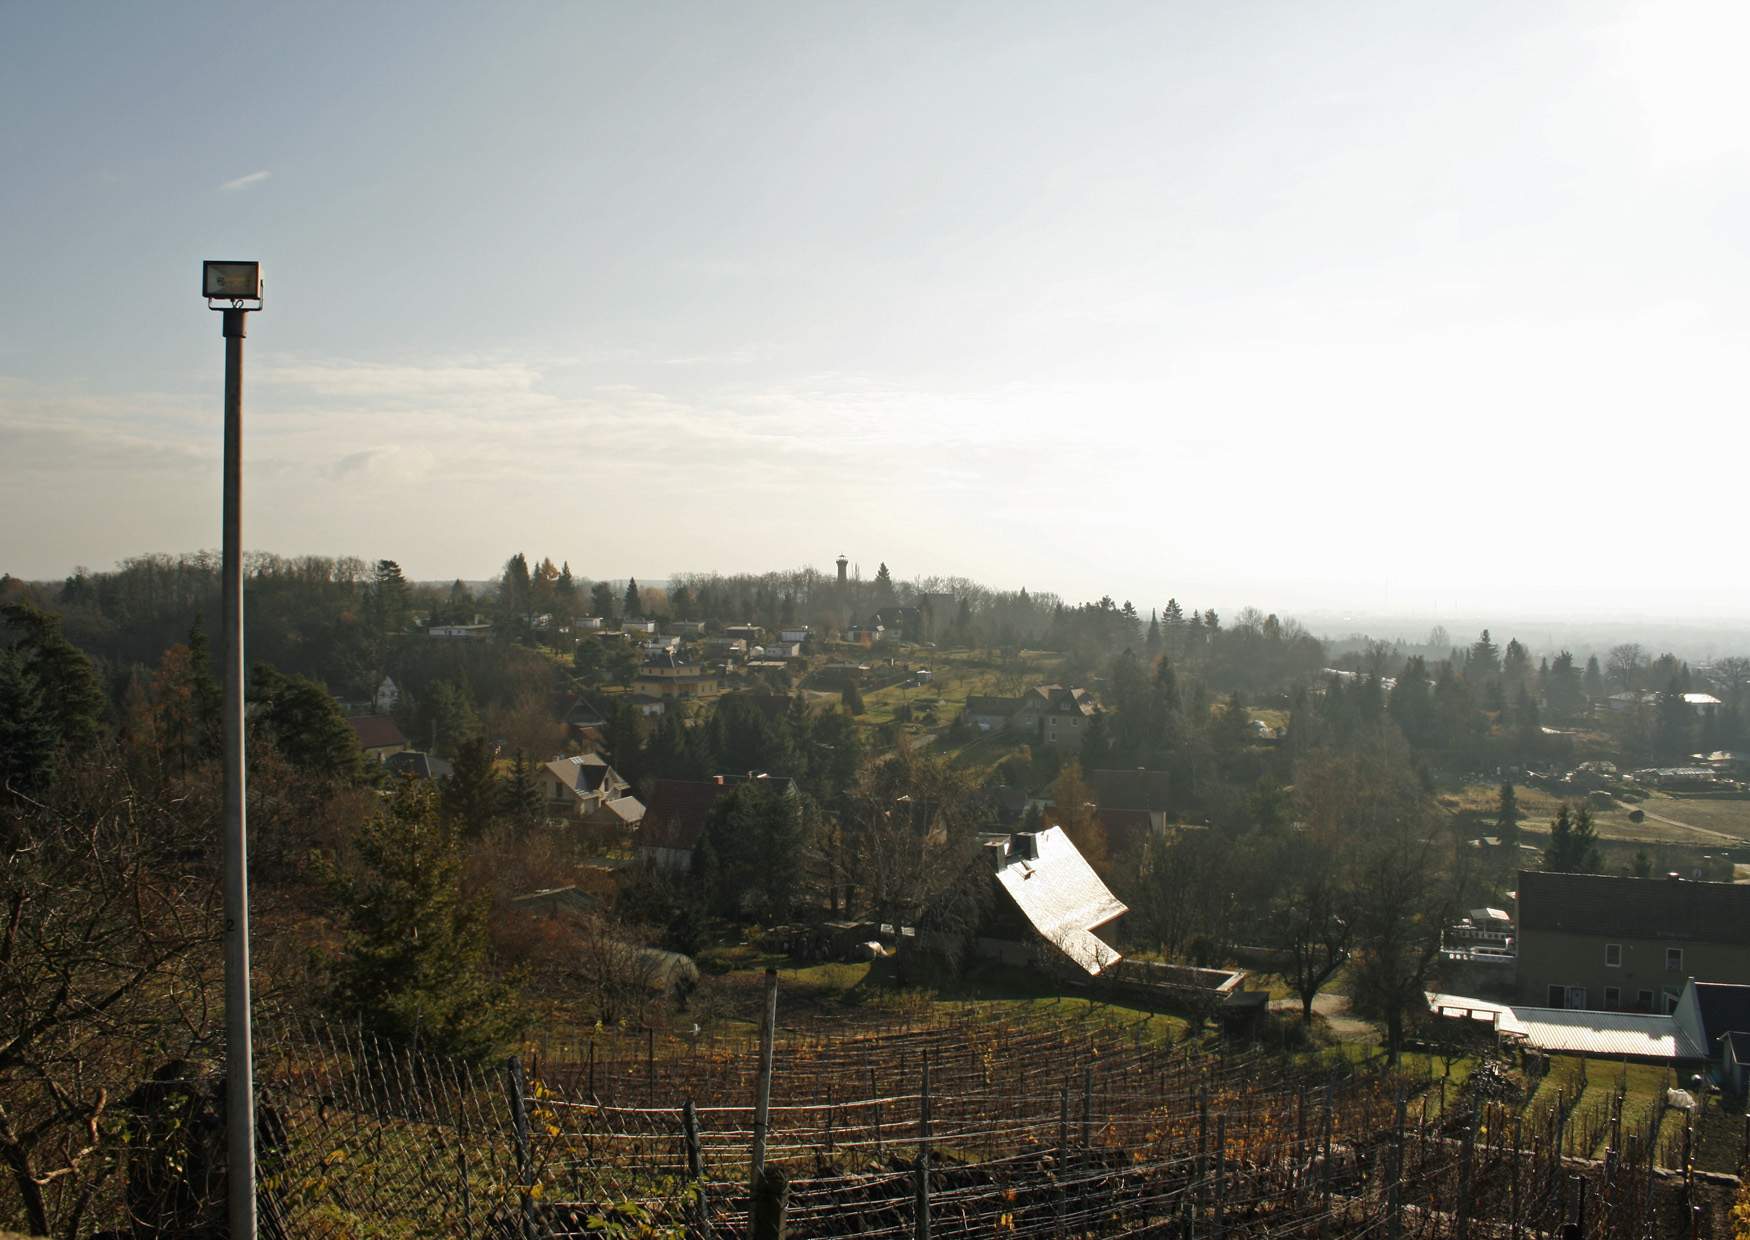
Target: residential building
x=580, y=785
x=667, y=673
x=1132, y=806
x=460, y=632
x=387, y=697
x=1627, y=944
x=377, y=735
x=794, y=633
x=1717, y=1018
x=677, y=816
x=416, y=765
x=990, y=714
x=1058, y=717
x=724, y=649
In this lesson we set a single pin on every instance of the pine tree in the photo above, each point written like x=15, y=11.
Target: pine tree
x=1507, y=816
x=306, y=724
x=883, y=585
x=1152, y=643
x=71, y=695
x=1643, y=865
x=28, y=737
x=852, y=697
x=519, y=797
x=1573, y=845
x=469, y=795
x=601, y=601
x=414, y=970
x=632, y=607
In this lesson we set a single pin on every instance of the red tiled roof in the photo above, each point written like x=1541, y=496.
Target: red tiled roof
x=677, y=813
x=376, y=731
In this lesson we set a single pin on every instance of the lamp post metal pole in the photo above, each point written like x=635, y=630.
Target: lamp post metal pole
x=239, y=1050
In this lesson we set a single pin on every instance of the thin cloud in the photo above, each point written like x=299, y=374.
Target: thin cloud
x=248, y=181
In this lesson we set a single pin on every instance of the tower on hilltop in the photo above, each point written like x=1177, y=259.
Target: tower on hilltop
x=843, y=563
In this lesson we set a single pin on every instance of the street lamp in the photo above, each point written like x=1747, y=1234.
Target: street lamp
x=236, y=285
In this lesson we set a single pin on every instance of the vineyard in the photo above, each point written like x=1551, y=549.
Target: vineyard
x=973, y=1122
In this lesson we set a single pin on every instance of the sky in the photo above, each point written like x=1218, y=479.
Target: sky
x=1435, y=309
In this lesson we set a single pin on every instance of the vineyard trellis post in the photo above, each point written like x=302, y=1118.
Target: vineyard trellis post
x=695, y=1168
x=1394, y=1192
x=519, y=1115
x=1466, y=1158
x=1087, y=1111
x=921, y=1222
x=763, y=1085
x=1513, y=1181
x=1220, y=1231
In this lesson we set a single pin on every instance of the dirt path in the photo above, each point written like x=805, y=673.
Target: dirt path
x=1335, y=1009
x=1672, y=822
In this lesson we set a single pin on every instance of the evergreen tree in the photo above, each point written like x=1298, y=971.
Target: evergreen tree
x=1643, y=865
x=1573, y=845
x=1507, y=816
x=1485, y=660
x=414, y=970
x=71, y=695
x=601, y=601
x=451, y=716
x=883, y=585
x=1152, y=643
x=852, y=697
x=386, y=604
x=469, y=794
x=207, y=692
x=305, y=724
x=28, y=736
x=633, y=607
x=1593, y=680
x=519, y=798
x=756, y=833
x=515, y=597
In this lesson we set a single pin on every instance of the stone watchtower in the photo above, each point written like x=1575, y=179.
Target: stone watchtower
x=843, y=563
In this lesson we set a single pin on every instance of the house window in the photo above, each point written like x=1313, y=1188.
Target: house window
x=1558, y=996
x=1644, y=1000
x=1612, y=998
x=1673, y=960
x=1613, y=955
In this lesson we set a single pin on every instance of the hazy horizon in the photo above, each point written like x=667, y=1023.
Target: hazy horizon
x=1328, y=309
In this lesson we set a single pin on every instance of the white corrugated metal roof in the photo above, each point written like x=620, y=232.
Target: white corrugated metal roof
x=1059, y=893
x=1578, y=1031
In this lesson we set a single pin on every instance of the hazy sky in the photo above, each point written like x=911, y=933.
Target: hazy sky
x=1387, y=306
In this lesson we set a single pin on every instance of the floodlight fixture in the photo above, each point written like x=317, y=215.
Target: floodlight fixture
x=235, y=289
x=232, y=282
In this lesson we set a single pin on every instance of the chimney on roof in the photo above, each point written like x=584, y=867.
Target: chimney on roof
x=1024, y=845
